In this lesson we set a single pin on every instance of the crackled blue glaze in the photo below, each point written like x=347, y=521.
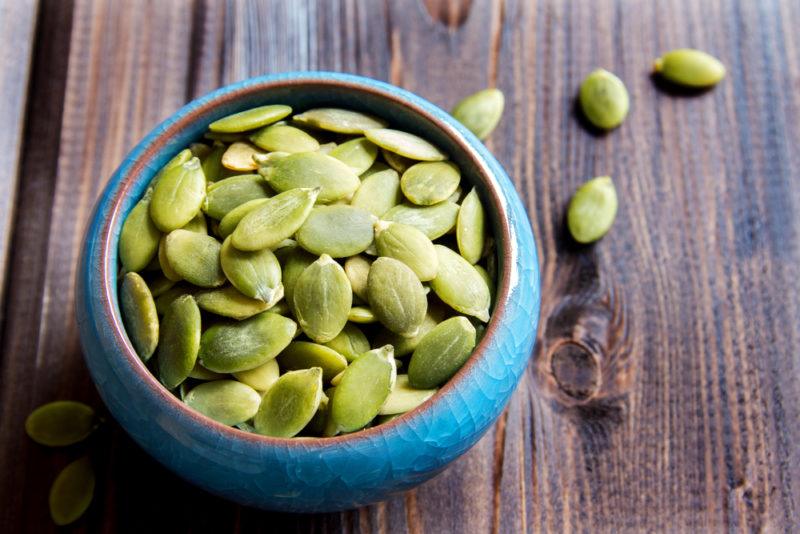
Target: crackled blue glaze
x=310, y=475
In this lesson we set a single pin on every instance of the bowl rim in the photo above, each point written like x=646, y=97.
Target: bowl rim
x=141, y=156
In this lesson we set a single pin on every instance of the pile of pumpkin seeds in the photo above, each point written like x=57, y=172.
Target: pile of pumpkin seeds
x=277, y=274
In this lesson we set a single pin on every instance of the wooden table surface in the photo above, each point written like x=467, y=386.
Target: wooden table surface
x=663, y=394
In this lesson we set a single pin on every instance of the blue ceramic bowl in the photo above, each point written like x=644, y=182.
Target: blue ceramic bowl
x=305, y=475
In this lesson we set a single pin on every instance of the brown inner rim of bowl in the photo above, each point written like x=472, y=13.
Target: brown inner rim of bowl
x=471, y=364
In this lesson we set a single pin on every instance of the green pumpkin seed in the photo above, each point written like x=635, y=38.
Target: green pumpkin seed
x=339, y=231
x=226, y=401
x=138, y=240
x=330, y=429
x=377, y=167
x=229, y=302
x=260, y=378
x=290, y=403
x=429, y=183
x=456, y=196
x=250, y=119
x=441, y=353
x=480, y=112
x=316, y=426
x=406, y=345
x=408, y=245
x=396, y=296
x=604, y=99
x=197, y=224
x=690, y=67
x=405, y=144
x=364, y=388
x=359, y=154
x=245, y=427
x=592, y=210
x=361, y=315
x=459, y=285
x=227, y=194
x=312, y=169
x=256, y=274
x=178, y=195
x=350, y=342
x=164, y=300
x=199, y=150
x=326, y=148
x=240, y=157
x=72, y=492
x=180, y=341
x=336, y=380
x=139, y=315
x=470, y=228
x=404, y=398
x=357, y=270
x=322, y=299
x=296, y=262
x=231, y=219
x=60, y=423
x=275, y=220
x=199, y=372
x=212, y=162
x=265, y=160
x=339, y=120
x=284, y=138
x=379, y=192
x=489, y=281
x=163, y=261
x=305, y=355
x=397, y=162
x=160, y=285
x=234, y=347
x=195, y=258
x=433, y=221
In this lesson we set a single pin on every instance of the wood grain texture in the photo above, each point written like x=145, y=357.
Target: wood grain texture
x=664, y=392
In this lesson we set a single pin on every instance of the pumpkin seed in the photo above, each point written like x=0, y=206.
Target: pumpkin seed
x=592, y=210
x=429, y=183
x=231, y=219
x=163, y=261
x=195, y=258
x=160, y=285
x=359, y=154
x=247, y=344
x=227, y=194
x=406, y=345
x=265, y=160
x=60, y=423
x=364, y=388
x=139, y=315
x=226, y=401
x=305, y=355
x=197, y=224
x=441, y=353
x=397, y=162
x=459, y=285
x=336, y=380
x=260, y=378
x=350, y=343
x=361, y=315
x=316, y=426
x=312, y=169
x=379, y=192
x=178, y=195
x=164, y=300
x=470, y=228
x=396, y=296
x=275, y=220
x=404, y=398
x=250, y=119
x=456, y=196
x=322, y=232
x=405, y=144
x=339, y=120
x=229, y=302
x=433, y=221
x=330, y=429
x=199, y=372
x=240, y=157
x=322, y=299
x=357, y=270
x=256, y=274
x=180, y=341
x=296, y=262
x=604, y=99
x=199, y=150
x=72, y=492
x=284, y=138
x=138, y=240
x=290, y=403
x=408, y=245
x=690, y=67
x=480, y=112
x=326, y=148
x=212, y=163
x=489, y=281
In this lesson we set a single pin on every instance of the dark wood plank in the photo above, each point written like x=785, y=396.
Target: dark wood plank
x=663, y=394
